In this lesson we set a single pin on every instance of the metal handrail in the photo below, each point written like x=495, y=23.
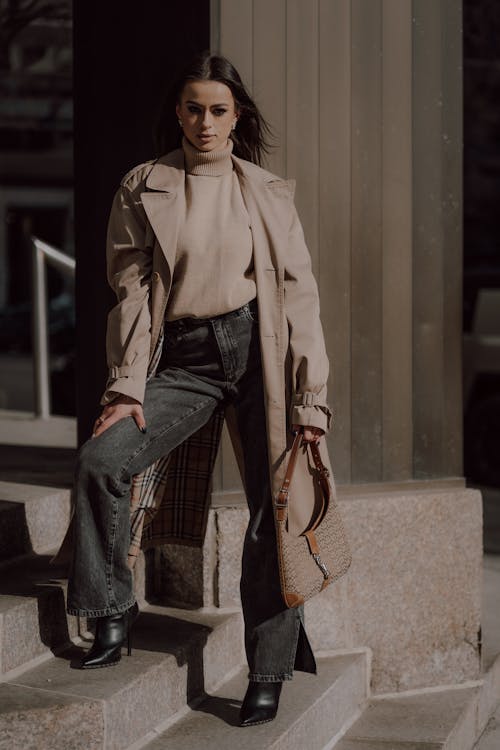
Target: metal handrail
x=42, y=254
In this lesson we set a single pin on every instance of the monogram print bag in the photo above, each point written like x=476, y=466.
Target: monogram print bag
x=315, y=552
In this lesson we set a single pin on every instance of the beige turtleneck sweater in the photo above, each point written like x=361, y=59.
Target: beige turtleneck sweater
x=214, y=247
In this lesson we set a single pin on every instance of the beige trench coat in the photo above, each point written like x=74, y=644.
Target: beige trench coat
x=170, y=499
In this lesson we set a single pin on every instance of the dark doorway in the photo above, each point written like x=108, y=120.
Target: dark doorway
x=126, y=55
x=482, y=258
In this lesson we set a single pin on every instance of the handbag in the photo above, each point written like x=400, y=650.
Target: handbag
x=319, y=554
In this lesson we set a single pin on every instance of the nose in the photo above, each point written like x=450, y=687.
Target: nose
x=207, y=118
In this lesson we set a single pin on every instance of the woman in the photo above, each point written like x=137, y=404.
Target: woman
x=217, y=310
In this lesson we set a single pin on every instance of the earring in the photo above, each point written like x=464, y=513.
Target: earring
x=234, y=126
x=180, y=122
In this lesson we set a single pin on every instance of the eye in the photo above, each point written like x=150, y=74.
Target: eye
x=219, y=112
x=193, y=108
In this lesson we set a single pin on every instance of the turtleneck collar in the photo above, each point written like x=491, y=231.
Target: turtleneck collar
x=212, y=163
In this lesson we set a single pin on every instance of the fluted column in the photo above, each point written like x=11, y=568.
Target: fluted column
x=365, y=96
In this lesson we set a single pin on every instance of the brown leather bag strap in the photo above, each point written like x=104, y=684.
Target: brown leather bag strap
x=322, y=470
x=317, y=460
x=281, y=501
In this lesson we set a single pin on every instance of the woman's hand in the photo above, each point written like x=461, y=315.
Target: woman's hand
x=309, y=434
x=120, y=407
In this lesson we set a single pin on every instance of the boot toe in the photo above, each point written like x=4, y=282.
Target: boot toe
x=257, y=716
x=94, y=661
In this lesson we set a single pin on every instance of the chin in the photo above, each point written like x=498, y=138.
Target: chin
x=211, y=144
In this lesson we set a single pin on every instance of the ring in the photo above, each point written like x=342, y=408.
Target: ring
x=100, y=420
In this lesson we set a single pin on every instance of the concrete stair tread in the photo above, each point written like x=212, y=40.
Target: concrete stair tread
x=32, y=518
x=373, y=745
x=428, y=720
x=312, y=709
x=490, y=739
x=33, y=619
x=172, y=660
x=30, y=718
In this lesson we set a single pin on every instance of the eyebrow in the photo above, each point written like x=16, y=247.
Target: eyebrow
x=222, y=104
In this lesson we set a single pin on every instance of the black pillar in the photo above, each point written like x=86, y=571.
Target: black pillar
x=126, y=55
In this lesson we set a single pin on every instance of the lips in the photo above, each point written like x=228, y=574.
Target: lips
x=205, y=137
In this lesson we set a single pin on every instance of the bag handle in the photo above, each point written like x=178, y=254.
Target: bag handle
x=281, y=501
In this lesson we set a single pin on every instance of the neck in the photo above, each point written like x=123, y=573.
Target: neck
x=212, y=163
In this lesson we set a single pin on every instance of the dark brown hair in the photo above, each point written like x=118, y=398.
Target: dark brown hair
x=251, y=132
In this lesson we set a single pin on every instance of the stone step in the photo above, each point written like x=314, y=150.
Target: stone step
x=32, y=518
x=33, y=619
x=175, y=656
x=313, y=708
x=490, y=739
x=434, y=719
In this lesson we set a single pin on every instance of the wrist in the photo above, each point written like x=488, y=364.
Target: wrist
x=122, y=398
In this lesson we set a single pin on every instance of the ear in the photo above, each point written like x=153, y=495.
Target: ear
x=177, y=110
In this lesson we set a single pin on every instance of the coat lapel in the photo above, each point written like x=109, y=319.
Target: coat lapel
x=267, y=199
x=161, y=202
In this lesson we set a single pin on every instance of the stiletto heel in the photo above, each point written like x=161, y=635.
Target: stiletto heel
x=111, y=633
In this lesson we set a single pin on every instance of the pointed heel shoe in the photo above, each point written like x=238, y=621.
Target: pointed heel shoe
x=260, y=703
x=110, y=635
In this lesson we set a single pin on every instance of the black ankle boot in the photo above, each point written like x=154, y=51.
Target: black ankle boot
x=260, y=703
x=110, y=634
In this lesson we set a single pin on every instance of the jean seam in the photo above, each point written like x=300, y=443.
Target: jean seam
x=252, y=317
x=271, y=677
x=232, y=345
x=103, y=612
x=110, y=555
x=222, y=349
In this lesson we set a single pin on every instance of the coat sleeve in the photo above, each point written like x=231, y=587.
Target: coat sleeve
x=129, y=266
x=310, y=365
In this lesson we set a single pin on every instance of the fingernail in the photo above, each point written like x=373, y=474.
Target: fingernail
x=143, y=429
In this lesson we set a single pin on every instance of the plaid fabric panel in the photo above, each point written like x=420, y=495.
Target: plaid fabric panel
x=145, y=500
x=170, y=499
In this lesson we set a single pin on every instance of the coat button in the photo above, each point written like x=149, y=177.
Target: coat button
x=156, y=276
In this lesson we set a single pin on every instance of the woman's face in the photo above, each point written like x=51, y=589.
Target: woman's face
x=207, y=112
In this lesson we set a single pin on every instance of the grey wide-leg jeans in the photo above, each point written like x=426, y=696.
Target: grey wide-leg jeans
x=204, y=362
